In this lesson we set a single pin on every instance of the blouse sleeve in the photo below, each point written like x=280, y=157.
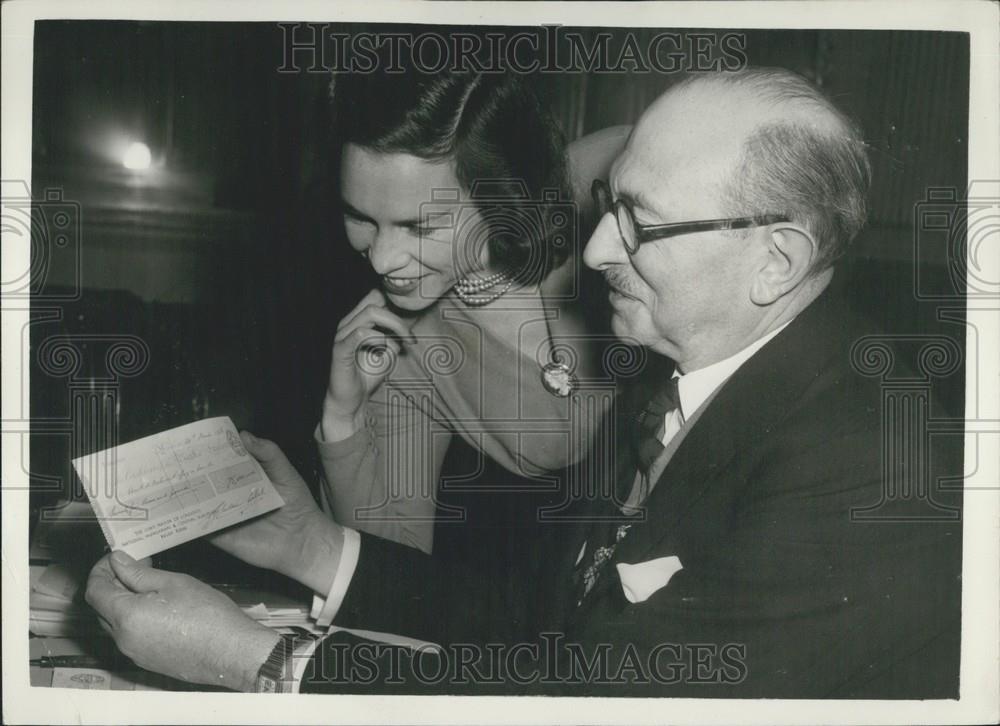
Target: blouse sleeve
x=383, y=479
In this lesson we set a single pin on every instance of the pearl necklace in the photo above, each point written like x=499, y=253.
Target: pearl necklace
x=558, y=377
x=467, y=288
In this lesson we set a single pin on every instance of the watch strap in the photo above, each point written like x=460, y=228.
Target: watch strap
x=275, y=674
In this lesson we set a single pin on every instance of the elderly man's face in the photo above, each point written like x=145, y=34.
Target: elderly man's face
x=680, y=296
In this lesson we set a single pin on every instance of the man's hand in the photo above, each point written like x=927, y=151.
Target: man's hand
x=298, y=539
x=175, y=625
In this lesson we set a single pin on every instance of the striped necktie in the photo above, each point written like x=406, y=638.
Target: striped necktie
x=648, y=445
x=651, y=425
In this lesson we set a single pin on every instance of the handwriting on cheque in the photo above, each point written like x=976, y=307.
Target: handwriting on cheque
x=166, y=489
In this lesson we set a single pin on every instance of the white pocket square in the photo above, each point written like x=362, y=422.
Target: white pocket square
x=642, y=579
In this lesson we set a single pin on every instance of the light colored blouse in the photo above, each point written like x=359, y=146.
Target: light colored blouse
x=475, y=372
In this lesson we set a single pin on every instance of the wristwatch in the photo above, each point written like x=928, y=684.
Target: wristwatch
x=275, y=675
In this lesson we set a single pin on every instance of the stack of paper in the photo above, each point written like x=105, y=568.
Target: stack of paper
x=273, y=609
x=54, y=606
x=57, y=608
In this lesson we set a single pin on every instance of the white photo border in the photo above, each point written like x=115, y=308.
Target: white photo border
x=981, y=562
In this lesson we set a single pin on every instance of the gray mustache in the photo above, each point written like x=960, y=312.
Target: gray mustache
x=618, y=281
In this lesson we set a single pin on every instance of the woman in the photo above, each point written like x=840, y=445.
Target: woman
x=454, y=189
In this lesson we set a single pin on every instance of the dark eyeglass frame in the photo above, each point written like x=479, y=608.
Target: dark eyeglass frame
x=623, y=213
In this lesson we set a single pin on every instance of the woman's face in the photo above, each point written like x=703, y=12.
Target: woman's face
x=412, y=221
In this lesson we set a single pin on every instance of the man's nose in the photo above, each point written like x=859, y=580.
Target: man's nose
x=386, y=253
x=605, y=247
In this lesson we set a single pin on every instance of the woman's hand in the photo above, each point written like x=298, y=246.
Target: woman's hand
x=173, y=624
x=364, y=350
x=297, y=539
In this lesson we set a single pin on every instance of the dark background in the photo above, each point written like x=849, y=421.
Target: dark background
x=231, y=265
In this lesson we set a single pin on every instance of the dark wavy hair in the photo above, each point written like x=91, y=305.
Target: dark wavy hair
x=508, y=153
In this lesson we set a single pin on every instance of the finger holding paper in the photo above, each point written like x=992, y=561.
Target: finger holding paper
x=175, y=625
x=163, y=490
x=297, y=540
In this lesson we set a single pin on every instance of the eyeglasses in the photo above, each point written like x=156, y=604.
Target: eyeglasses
x=634, y=234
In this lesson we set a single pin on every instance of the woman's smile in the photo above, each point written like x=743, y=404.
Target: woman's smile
x=398, y=285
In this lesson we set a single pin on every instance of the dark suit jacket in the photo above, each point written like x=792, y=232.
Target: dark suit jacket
x=783, y=591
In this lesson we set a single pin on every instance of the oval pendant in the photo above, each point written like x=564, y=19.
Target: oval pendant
x=558, y=379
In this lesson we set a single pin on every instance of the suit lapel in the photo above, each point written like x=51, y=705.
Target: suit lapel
x=630, y=399
x=607, y=580
x=745, y=408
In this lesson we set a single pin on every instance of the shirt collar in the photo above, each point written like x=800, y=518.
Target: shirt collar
x=694, y=388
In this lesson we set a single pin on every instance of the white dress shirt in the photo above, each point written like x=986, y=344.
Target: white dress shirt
x=694, y=390
x=696, y=387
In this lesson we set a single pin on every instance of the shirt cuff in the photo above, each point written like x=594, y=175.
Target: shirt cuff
x=325, y=609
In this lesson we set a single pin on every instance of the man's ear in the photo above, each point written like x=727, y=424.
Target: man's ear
x=790, y=251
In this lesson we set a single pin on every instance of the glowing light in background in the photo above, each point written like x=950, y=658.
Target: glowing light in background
x=137, y=156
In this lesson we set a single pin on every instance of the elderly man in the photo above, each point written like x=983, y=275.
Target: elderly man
x=728, y=563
